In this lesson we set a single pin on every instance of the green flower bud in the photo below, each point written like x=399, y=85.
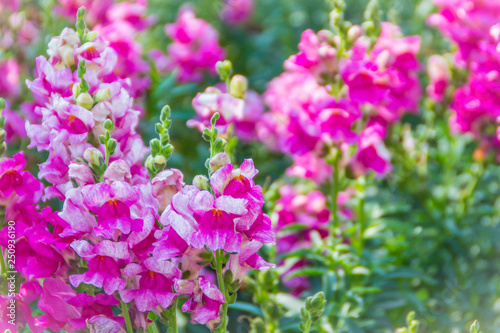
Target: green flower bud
x=102, y=95
x=111, y=145
x=93, y=156
x=2, y=135
x=108, y=125
x=201, y=182
x=238, y=86
x=85, y=101
x=214, y=118
x=219, y=161
x=90, y=36
x=155, y=147
x=224, y=68
x=2, y=104
x=76, y=90
x=165, y=113
x=159, y=162
x=474, y=328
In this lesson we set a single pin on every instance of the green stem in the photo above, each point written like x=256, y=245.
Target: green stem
x=173, y=317
x=152, y=328
x=219, y=254
x=3, y=266
x=126, y=315
x=362, y=223
x=306, y=326
x=335, y=192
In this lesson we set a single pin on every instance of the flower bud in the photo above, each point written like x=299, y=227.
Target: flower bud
x=224, y=68
x=93, y=156
x=354, y=33
x=201, y=182
x=2, y=103
x=2, y=135
x=159, y=162
x=219, y=161
x=238, y=86
x=91, y=35
x=102, y=95
x=76, y=90
x=85, y=101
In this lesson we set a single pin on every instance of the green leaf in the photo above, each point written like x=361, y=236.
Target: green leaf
x=309, y=271
x=247, y=307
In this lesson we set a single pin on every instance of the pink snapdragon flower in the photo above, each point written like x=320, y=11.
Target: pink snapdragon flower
x=372, y=153
x=18, y=186
x=242, y=113
x=316, y=56
x=213, y=100
x=236, y=12
x=194, y=49
x=152, y=285
x=204, y=301
x=310, y=166
x=94, y=307
x=438, y=70
x=103, y=268
x=473, y=26
x=9, y=81
x=465, y=22
x=165, y=185
x=19, y=307
x=54, y=302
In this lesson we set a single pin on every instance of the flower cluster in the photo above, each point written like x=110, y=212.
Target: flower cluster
x=473, y=26
x=119, y=23
x=194, y=49
x=127, y=235
x=73, y=107
x=19, y=30
x=330, y=96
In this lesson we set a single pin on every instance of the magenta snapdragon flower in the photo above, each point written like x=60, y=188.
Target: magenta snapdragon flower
x=237, y=12
x=103, y=267
x=204, y=301
x=194, y=49
x=242, y=113
x=153, y=284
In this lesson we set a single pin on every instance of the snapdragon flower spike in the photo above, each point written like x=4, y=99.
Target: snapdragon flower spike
x=119, y=24
x=74, y=107
x=473, y=27
x=103, y=264
x=311, y=110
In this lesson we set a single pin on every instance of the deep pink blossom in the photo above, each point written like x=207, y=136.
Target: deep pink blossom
x=153, y=284
x=236, y=12
x=204, y=302
x=9, y=81
x=103, y=268
x=194, y=49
